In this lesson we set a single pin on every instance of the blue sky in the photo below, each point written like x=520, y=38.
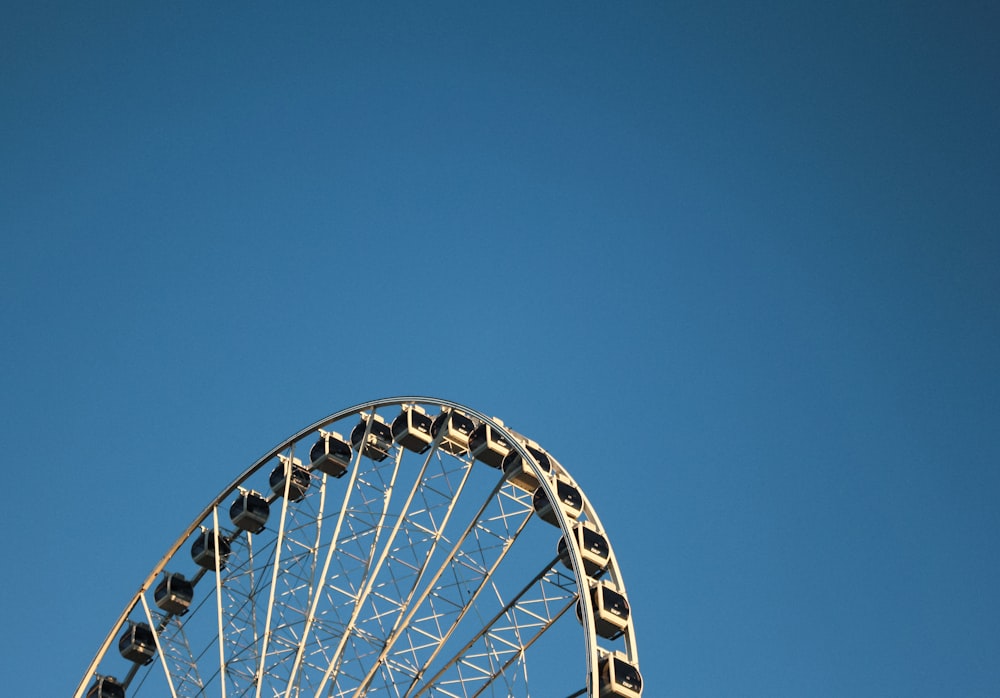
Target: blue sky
x=735, y=265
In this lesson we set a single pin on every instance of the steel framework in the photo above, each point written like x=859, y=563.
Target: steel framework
x=414, y=572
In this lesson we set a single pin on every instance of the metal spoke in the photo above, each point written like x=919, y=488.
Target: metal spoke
x=159, y=647
x=289, y=469
x=218, y=597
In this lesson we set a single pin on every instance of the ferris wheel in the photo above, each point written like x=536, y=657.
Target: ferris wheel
x=405, y=547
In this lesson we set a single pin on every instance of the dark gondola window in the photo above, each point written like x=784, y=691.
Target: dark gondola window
x=379, y=440
x=203, y=551
x=300, y=480
x=249, y=512
x=137, y=644
x=106, y=687
x=174, y=594
x=331, y=455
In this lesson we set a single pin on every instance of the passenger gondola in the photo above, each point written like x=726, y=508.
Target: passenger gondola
x=569, y=498
x=331, y=454
x=611, y=610
x=106, y=687
x=249, y=511
x=174, y=594
x=203, y=550
x=300, y=479
x=456, y=427
x=137, y=644
x=520, y=474
x=379, y=440
x=488, y=445
x=412, y=429
x=618, y=678
x=594, y=549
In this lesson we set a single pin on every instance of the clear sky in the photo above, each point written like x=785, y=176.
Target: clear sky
x=734, y=264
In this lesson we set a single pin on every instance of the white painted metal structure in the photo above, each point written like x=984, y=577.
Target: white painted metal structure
x=412, y=574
